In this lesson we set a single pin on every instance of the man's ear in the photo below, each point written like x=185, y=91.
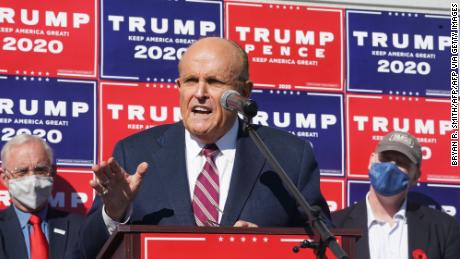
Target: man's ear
x=373, y=158
x=178, y=83
x=3, y=177
x=247, y=88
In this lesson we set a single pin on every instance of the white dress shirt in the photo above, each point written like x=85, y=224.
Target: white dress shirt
x=224, y=162
x=387, y=241
x=195, y=162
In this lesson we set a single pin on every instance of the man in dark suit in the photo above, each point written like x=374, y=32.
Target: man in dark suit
x=393, y=226
x=29, y=228
x=234, y=186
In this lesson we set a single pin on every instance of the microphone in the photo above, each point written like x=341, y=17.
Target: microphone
x=233, y=101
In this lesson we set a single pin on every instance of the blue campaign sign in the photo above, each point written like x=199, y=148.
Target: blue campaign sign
x=398, y=53
x=144, y=40
x=316, y=117
x=438, y=196
x=60, y=111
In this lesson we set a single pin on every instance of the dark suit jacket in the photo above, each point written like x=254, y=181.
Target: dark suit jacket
x=255, y=194
x=433, y=231
x=12, y=244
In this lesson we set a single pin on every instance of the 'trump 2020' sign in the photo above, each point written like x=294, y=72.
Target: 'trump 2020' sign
x=144, y=41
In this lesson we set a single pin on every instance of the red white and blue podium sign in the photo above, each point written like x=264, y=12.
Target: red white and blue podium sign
x=314, y=117
x=443, y=197
x=293, y=47
x=49, y=38
x=397, y=52
x=370, y=117
x=127, y=108
x=143, y=41
x=61, y=111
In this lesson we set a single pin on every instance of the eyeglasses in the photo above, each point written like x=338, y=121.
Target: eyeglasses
x=42, y=170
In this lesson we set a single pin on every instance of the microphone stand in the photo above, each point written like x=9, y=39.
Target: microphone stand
x=327, y=239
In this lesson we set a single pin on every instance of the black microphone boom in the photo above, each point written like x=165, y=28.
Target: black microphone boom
x=233, y=101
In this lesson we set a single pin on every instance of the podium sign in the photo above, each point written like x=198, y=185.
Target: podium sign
x=158, y=242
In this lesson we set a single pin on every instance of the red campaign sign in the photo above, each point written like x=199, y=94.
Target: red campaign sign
x=333, y=191
x=227, y=246
x=54, y=38
x=71, y=191
x=289, y=46
x=369, y=118
x=127, y=108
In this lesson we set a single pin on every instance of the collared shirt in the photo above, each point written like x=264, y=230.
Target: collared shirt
x=26, y=228
x=224, y=162
x=387, y=241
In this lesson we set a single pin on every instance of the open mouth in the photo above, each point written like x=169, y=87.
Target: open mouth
x=201, y=110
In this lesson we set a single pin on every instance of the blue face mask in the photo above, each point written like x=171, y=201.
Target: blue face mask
x=387, y=179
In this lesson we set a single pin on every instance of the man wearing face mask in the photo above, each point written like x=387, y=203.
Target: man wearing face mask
x=29, y=228
x=393, y=225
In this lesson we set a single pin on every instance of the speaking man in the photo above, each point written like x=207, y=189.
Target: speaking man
x=204, y=170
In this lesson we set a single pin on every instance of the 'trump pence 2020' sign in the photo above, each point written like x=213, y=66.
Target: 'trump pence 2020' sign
x=289, y=46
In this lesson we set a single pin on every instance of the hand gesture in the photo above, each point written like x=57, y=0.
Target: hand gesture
x=116, y=187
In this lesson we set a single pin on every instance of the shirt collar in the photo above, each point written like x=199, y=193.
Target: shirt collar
x=25, y=216
x=371, y=219
x=225, y=144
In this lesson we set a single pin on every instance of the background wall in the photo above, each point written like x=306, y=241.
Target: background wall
x=340, y=74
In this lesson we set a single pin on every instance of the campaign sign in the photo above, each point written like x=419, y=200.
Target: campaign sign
x=48, y=38
x=437, y=196
x=397, y=52
x=61, y=111
x=127, y=108
x=71, y=191
x=333, y=191
x=289, y=46
x=370, y=117
x=144, y=41
x=315, y=117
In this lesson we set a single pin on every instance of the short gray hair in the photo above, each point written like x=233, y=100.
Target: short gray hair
x=23, y=139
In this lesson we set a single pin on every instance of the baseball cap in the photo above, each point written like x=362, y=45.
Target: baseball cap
x=402, y=142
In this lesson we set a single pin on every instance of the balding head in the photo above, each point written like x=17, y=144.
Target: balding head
x=228, y=49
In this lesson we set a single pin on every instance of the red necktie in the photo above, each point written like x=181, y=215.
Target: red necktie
x=206, y=194
x=38, y=242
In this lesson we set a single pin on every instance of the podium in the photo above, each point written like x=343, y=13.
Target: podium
x=160, y=242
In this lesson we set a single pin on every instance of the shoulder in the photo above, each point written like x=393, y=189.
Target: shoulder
x=151, y=133
x=343, y=217
x=433, y=215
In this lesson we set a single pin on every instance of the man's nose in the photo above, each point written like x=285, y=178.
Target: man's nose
x=202, y=89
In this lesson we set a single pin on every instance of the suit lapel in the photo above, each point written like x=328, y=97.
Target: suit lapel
x=170, y=160
x=247, y=167
x=358, y=219
x=12, y=234
x=418, y=229
x=57, y=233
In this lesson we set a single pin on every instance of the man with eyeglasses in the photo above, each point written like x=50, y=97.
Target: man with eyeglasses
x=29, y=228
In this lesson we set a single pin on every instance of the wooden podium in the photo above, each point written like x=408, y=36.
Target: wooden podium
x=159, y=242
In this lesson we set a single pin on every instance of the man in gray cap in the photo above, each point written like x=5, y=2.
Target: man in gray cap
x=394, y=227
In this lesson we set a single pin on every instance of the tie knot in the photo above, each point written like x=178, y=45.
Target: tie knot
x=210, y=150
x=35, y=219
